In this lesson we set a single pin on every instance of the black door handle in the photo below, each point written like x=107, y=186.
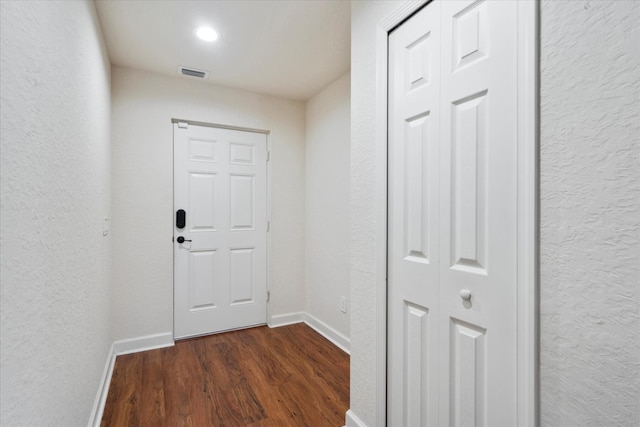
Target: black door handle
x=181, y=216
x=181, y=239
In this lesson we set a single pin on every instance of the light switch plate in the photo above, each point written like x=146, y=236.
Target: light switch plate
x=343, y=304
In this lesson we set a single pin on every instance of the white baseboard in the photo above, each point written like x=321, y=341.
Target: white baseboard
x=103, y=389
x=149, y=342
x=328, y=332
x=132, y=345
x=352, y=420
x=286, y=319
x=341, y=341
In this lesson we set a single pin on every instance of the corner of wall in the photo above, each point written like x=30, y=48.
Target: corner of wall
x=327, y=166
x=103, y=389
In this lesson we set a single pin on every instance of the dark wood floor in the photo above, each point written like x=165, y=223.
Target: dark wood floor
x=287, y=376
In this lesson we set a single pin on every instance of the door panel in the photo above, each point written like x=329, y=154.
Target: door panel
x=453, y=216
x=414, y=164
x=242, y=276
x=467, y=374
x=220, y=269
x=241, y=199
x=478, y=211
x=468, y=184
x=202, y=201
x=241, y=154
x=417, y=375
x=203, y=150
x=203, y=279
x=416, y=233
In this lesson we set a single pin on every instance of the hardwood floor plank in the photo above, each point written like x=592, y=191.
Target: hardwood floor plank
x=259, y=377
x=152, y=380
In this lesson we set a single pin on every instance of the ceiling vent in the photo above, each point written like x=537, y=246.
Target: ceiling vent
x=192, y=72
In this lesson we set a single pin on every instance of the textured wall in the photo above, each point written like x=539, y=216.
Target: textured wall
x=327, y=203
x=590, y=213
x=143, y=105
x=55, y=191
x=365, y=17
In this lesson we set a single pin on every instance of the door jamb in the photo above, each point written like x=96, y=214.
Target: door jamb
x=528, y=207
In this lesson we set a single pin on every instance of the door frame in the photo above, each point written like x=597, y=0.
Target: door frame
x=528, y=206
x=267, y=134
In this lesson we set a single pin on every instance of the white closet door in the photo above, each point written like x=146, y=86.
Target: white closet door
x=453, y=216
x=414, y=224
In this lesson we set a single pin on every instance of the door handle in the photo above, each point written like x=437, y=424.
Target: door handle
x=181, y=239
x=181, y=216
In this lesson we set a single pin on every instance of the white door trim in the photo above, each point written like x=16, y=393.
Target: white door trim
x=528, y=147
x=527, y=372
x=382, y=54
x=269, y=202
x=220, y=126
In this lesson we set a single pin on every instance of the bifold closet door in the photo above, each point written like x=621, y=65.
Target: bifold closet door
x=453, y=216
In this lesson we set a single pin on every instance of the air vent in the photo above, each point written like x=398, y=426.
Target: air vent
x=192, y=72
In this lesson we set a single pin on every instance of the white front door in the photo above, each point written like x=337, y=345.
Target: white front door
x=453, y=176
x=220, y=268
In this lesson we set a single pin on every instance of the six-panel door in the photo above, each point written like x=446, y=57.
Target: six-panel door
x=453, y=216
x=220, y=269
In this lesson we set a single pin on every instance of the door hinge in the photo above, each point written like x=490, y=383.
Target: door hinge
x=268, y=225
x=268, y=155
x=268, y=295
x=183, y=125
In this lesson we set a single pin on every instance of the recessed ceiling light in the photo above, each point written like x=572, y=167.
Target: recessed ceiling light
x=207, y=34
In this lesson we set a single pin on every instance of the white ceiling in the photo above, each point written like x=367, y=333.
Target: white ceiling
x=290, y=49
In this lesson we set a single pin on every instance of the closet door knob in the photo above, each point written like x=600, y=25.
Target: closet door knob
x=465, y=294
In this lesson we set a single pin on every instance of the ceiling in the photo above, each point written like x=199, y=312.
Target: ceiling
x=291, y=48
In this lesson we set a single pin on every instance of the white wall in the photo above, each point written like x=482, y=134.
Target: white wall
x=590, y=202
x=590, y=213
x=143, y=106
x=327, y=204
x=55, y=191
x=365, y=17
